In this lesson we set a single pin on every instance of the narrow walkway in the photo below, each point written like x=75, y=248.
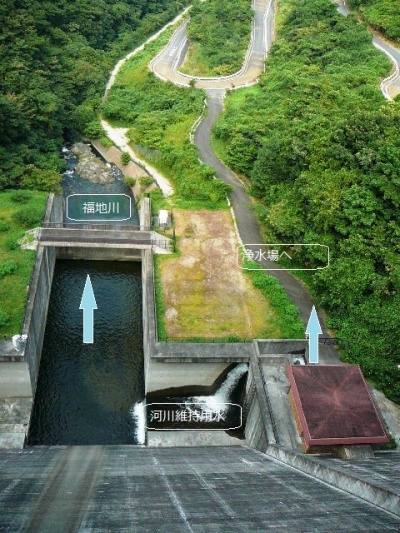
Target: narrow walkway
x=119, y=138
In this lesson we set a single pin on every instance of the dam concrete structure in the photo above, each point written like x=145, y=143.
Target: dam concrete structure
x=189, y=481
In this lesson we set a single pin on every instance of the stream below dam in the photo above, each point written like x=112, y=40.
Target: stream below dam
x=86, y=392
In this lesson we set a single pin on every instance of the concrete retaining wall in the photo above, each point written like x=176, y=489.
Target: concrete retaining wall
x=99, y=254
x=36, y=309
x=255, y=432
x=39, y=294
x=149, y=322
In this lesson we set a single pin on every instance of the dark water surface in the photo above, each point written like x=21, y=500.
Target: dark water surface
x=85, y=392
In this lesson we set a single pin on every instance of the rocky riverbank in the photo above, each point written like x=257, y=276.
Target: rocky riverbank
x=90, y=167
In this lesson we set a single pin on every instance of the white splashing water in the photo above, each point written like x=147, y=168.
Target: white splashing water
x=138, y=413
x=223, y=393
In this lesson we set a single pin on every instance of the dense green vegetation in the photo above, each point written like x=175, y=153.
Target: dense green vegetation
x=219, y=32
x=321, y=147
x=288, y=316
x=159, y=117
x=19, y=211
x=383, y=15
x=55, y=58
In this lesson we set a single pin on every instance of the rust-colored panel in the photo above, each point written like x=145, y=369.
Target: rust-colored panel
x=334, y=405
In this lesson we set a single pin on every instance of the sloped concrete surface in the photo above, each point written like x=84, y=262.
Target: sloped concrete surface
x=383, y=470
x=143, y=490
x=339, y=475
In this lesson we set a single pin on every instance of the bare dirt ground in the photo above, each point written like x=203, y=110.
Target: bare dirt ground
x=205, y=292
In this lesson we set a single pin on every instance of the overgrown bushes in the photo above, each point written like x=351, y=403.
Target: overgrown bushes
x=28, y=217
x=7, y=267
x=383, y=15
x=219, y=34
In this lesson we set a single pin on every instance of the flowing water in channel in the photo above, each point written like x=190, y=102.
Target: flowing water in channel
x=72, y=183
x=86, y=391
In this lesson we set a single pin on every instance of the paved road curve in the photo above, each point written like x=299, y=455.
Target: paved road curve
x=165, y=65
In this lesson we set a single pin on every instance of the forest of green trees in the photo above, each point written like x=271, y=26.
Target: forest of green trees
x=322, y=149
x=383, y=15
x=219, y=34
x=55, y=58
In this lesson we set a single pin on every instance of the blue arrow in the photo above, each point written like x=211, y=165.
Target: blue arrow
x=88, y=304
x=313, y=330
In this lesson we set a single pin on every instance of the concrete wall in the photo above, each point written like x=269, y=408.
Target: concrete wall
x=36, y=309
x=160, y=376
x=99, y=254
x=39, y=293
x=57, y=211
x=255, y=432
x=148, y=305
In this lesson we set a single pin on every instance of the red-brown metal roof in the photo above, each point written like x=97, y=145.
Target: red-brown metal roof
x=334, y=405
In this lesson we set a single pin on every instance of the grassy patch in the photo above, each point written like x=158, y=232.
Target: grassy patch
x=160, y=307
x=13, y=285
x=288, y=317
x=194, y=63
x=212, y=299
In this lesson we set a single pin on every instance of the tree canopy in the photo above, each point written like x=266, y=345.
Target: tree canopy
x=55, y=58
x=383, y=15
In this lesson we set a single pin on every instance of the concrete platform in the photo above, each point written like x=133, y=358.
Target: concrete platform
x=14, y=380
x=14, y=420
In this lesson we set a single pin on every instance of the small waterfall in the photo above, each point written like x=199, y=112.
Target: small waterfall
x=138, y=413
x=222, y=395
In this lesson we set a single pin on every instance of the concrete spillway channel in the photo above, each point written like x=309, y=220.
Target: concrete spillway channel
x=88, y=393
x=82, y=393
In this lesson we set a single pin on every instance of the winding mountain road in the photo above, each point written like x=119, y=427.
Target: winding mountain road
x=166, y=64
